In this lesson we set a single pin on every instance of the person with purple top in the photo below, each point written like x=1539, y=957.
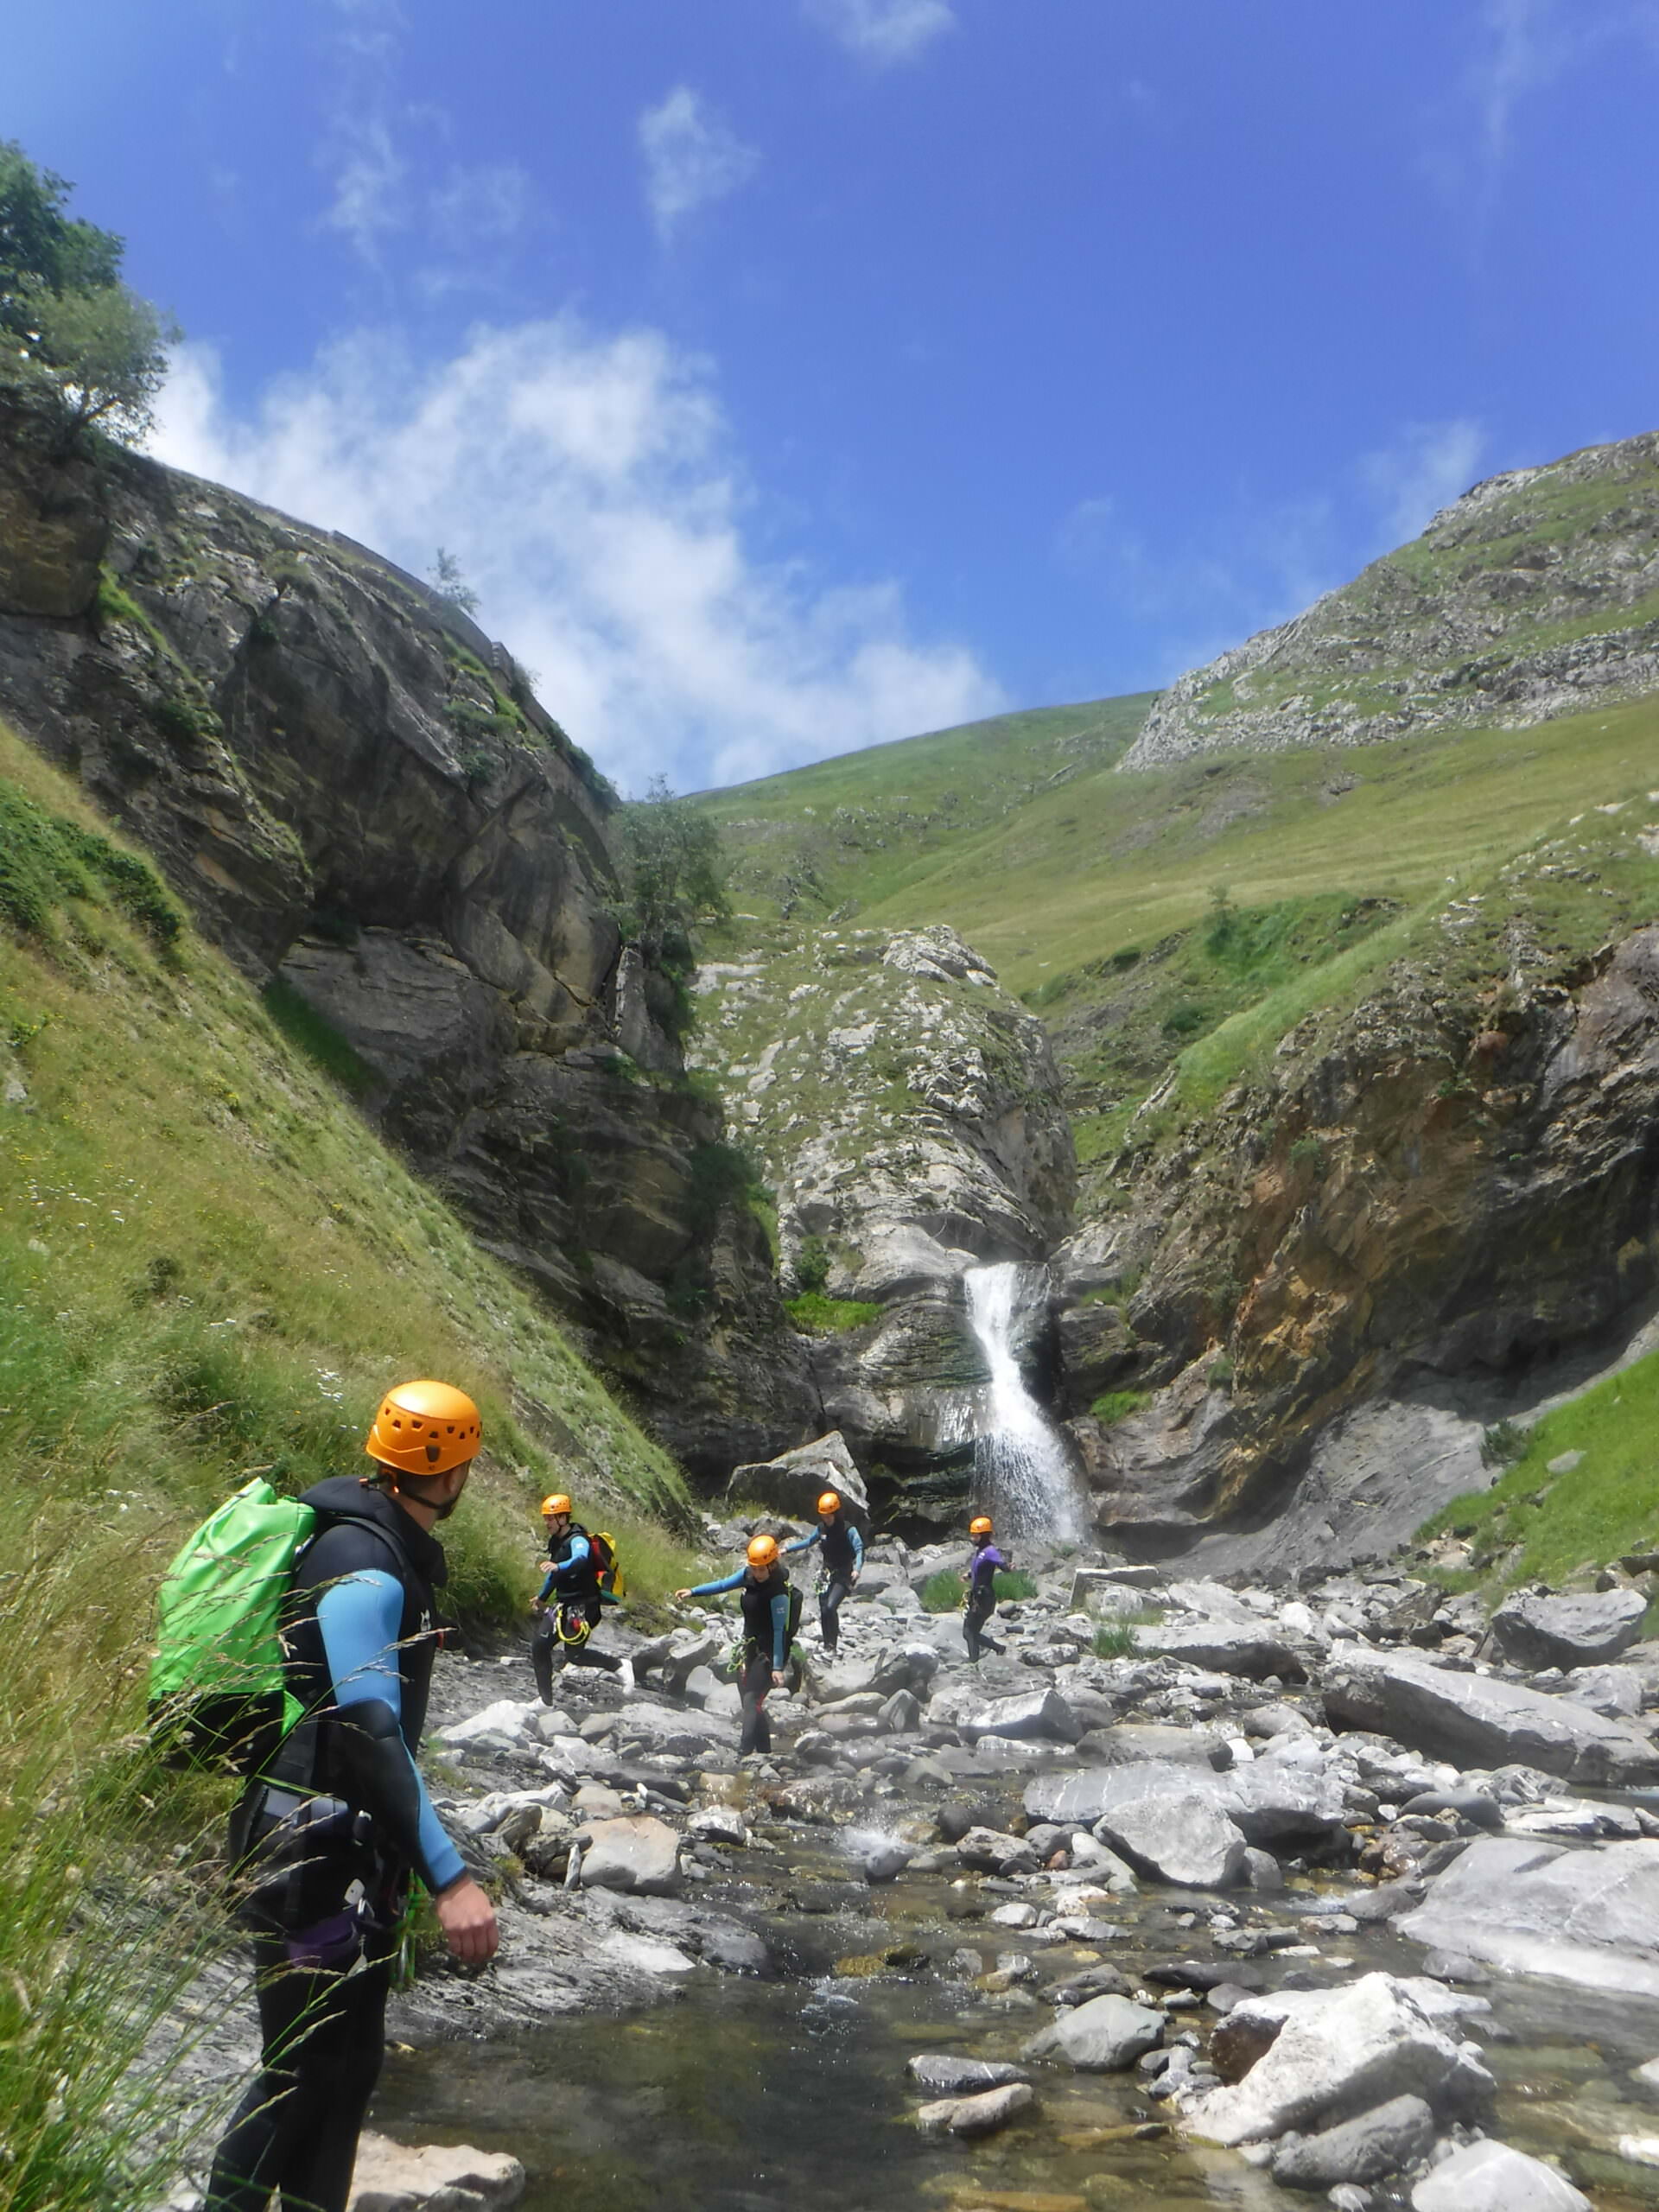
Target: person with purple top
x=980, y=1574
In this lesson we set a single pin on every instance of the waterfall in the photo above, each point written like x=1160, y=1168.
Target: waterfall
x=1021, y=1474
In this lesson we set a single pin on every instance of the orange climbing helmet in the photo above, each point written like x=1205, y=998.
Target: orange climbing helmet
x=980, y=1526
x=831, y=1502
x=424, y=1428
x=558, y=1503
x=763, y=1551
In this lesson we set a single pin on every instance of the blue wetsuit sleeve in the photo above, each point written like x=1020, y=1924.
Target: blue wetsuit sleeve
x=803, y=1544
x=714, y=1589
x=780, y=1629
x=359, y=1616
x=858, y=1551
x=548, y=1581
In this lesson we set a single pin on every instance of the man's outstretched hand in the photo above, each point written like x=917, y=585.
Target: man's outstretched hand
x=467, y=1919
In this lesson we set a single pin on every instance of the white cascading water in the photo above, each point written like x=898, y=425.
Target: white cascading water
x=1022, y=1475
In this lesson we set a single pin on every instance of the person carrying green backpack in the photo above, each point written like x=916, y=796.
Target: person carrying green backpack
x=334, y=1819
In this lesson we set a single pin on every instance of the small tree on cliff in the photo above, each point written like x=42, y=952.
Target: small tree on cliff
x=673, y=875
x=73, y=336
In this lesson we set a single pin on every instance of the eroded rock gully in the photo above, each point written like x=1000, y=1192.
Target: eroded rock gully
x=1427, y=1215
x=359, y=795
x=1215, y=1918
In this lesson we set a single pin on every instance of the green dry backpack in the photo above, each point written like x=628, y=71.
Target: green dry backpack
x=217, y=1689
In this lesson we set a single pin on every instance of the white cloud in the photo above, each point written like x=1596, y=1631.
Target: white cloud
x=1428, y=466
x=588, y=485
x=883, y=31
x=691, y=158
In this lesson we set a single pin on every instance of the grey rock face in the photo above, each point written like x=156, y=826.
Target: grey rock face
x=1490, y=2178
x=1585, y=1630
x=1264, y=1802
x=1588, y=1916
x=1377, y=2143
x=367, y=797
x=1476, y=1721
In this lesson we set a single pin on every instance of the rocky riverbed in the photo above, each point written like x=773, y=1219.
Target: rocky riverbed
x=1192, y=1895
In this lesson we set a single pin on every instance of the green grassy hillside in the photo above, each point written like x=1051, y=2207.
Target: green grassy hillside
x=1097, y=899
x=207, y=1262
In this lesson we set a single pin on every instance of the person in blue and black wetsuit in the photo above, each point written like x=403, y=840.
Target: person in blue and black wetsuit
x=843, y=1563
x=568, y=1605
x=330, y=1832
x=767, y=1604
x=980, y=1574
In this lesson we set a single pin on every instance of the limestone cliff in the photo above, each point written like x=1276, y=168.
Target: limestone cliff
x=1535, y=593
x=909, y=1114
x=361, y=796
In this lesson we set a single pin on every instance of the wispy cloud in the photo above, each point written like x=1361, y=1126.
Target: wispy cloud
x=370, y=177
x=883, y=31
x=1424, y=469
x=589, y=484
x=485, y=205
x=691, y=158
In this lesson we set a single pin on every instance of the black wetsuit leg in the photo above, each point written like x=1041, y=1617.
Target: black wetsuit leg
x=296, y=2128
x=752, y=1682
x=830, y=1598
x=981, y=1604
x=543, y=1651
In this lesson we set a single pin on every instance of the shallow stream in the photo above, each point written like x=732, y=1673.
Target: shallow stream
x=739, y=2094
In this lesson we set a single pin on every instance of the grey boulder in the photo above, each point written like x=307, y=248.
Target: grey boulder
x=1334, y=2053
x=1474, y=1721
x=1377, y=2143
x=1168, y=1823
x=1586, y=1629
x=1489, y=2176
x=1033, y=1716
x=1102, y=2037
x=1589, y=1916
x=979, y=2115
x=942, y=2074
x=1251, y=1647
x=638, y=1855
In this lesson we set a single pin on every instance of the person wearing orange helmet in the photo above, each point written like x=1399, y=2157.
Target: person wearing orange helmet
x=570, y=1602
x=980, y=1574
x=768, y=1605
x=331, y=1831
x=843, y=1563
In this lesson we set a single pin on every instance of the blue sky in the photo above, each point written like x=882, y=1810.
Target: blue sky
x=793, y=374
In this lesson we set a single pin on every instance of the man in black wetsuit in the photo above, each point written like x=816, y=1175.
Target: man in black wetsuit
x=568, y=1606
x=767, y=1606
x=329, y=1835
x=843, y=1563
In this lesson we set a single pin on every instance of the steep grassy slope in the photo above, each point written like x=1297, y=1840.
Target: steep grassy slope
x=207, y=1264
